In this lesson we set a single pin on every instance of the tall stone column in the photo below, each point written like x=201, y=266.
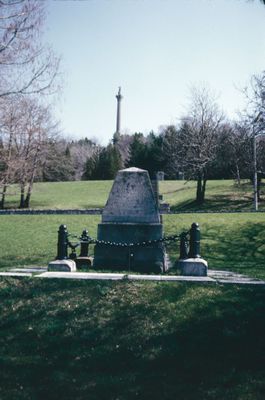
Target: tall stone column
x=118, y=120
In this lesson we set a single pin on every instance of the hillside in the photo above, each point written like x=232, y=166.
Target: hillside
x=220, y=195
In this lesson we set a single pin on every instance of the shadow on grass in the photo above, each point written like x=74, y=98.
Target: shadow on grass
x=240, y=250
x=215, y=203
x=121, y=340
x=14, y=204
x=16, y=261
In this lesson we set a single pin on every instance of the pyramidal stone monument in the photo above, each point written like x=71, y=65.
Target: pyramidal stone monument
x=131, y=215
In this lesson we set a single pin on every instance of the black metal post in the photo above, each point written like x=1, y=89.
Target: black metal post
x=195, y=237
x=62, y=243
x=183, y=246
x=84, y=244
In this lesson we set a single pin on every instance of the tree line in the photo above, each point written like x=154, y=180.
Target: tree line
x=204, y=145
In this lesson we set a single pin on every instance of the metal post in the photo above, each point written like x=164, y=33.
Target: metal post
x=183, y=246
x=255, y=174
x=259, y=118
x=84, y=244
x=195, y=237
x=62, y=243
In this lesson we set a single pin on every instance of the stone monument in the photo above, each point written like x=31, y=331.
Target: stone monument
x=118, y=118
x=131, y=215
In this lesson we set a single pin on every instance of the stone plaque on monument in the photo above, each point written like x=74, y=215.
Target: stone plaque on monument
x=131, y=215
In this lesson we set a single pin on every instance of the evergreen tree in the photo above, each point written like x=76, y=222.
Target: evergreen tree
x=147, y=153
x=105, y=165
x=137, y=152
x=90, y=167
x=155, y=159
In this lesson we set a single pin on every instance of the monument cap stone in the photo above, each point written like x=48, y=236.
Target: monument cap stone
x=131, y=199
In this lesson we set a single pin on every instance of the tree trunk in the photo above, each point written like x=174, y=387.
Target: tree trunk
x=22, y=196
x=28, y=196
x=204, y=188
x=6, y=178
x=32, y=177
x=2, y=202
x=201, y=187
x=199, y=199
x=258, y=186
x=27, y=200
x=238, y=175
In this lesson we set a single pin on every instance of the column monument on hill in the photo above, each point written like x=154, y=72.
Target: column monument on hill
x=118, y=118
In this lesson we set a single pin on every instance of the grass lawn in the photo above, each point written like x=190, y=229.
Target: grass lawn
x=130, y=340
x=88, y=340
x=220, y=195
x=229, y=241
x=61, y=195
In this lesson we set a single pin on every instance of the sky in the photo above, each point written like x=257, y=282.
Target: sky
x=156, y=50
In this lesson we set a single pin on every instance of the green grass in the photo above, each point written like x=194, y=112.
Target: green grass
x=125, y=340
x=62, y=195
x=233, y=242
x=220, y=195
x=229, y=241
x=32, y=240
x=132, y=340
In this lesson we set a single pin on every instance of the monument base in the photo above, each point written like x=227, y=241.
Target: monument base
x=193, y=267
x=145, y=259
x=62, y=266
x=142, y=258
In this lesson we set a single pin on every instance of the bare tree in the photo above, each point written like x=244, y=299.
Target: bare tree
x=198, y=137
x=254, y=112
x=26, y=67
x=241, y=144
x=36, y=127
x=9, y=116
x=253, y=118
x=234, y=153
x=80, y=151
x=123, y=146
x=26, y=127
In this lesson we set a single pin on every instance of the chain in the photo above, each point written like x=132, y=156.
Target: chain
x=135, y=244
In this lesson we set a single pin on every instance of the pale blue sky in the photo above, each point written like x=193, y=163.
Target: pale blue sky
x=155, y=50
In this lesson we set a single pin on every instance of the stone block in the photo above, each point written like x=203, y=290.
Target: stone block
x=62, y=266
x=137, y=258
x=193, y=267
x=145, y=259
x=129, y=232
x=131, y=199
x=84, y=262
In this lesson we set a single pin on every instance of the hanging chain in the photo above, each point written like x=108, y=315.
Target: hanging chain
x=172, y=238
